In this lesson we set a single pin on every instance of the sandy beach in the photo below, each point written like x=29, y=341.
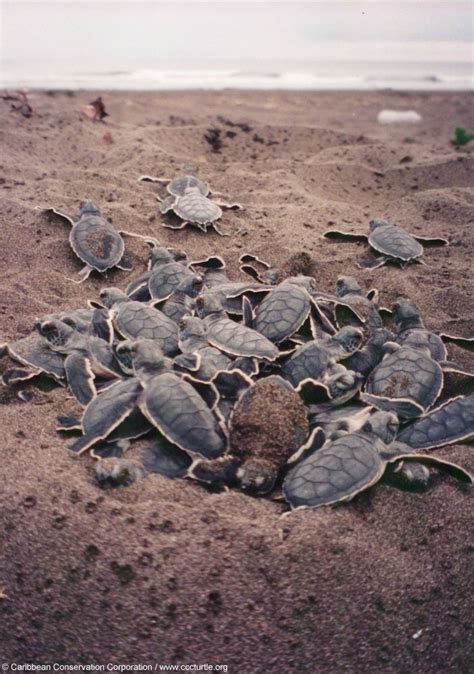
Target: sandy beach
x=165, y=571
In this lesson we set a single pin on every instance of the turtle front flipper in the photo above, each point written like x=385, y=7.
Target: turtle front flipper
x=372, y=262
x=53, y=213
x=450, y=366
x=430, y=241
x=68, y=423
x=450, y=423
x=402, y=407
x=463, y=342
x=448, y=467
x=344, y=236
x=80, y=377
x=125, y=263
x=167, y=459
x=153, y=179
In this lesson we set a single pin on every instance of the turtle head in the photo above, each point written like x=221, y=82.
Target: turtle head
x=89, y=208
x=147, y=358
x=191, y=285
x=347, y=341
x=110, y=296
x=382, y=424
x=406, y=315
x=160, y=255
x=343, y=385
x=207, y=305
x=377, y=222
x=58, y=333
x=257, y=476
x=124, y=355
x=346, y=285
x=191, y=326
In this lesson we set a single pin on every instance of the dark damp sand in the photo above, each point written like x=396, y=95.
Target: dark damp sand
x=164, y=571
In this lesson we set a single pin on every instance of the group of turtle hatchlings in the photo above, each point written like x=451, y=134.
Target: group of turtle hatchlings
x=267, y=384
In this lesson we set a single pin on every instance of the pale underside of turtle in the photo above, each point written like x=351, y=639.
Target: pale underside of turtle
x=391, y=243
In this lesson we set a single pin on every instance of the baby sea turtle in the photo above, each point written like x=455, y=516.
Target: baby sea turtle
x=353, y=462
x=407, y=381
x=391, y=241
x=447, y=424
x=231, y=337
x=86, y=357
x=316, y=358
x=135, y=320
x=188, y=199
x=174, y=407
x=285, y=309
x=94, y=240
x=35, y=355
x=351, y=304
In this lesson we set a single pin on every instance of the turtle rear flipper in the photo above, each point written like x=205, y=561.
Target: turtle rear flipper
x=450, y=423
x=403, y=407
x=167, y=459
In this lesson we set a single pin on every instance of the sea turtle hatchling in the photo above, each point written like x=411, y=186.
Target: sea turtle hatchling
x=133, y=320
x=189, y=199
x=94, y=240
x=231, y=337
x=34, y=354
x=391, y=241
x=87, y=357
x=447, y=424
x=351, y=463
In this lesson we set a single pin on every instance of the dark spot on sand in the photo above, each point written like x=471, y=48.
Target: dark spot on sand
x=91, y=552
x=213, y=137
x=124, y=572
x=29, y=501
x=215, y=602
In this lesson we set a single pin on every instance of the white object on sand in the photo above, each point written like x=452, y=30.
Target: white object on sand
x=398, y=116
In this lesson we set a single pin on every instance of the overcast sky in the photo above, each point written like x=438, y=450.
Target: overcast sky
x=137, y=33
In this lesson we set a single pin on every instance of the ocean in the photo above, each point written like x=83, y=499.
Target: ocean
x=135, y=44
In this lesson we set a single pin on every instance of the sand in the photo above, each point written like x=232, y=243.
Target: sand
x=164, y=571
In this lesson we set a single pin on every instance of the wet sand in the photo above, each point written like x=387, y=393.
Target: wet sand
x=164, y=571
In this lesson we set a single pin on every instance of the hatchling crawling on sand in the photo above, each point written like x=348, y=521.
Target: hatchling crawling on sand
x=391, y=242
x=188, y=198
x=94, y=240
x=349, y=463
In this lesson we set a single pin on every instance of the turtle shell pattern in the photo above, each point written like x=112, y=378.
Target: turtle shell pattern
x=97, y=242
x=395, y=242
x=196, y=208
x=134, y=319
x=181, y=415
x=309, y=361
x=238, y=340
x=407, y=373
x=336, y=472
x=421, y=338
x=165, y=279
x=282, y=312
x=443, y=426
